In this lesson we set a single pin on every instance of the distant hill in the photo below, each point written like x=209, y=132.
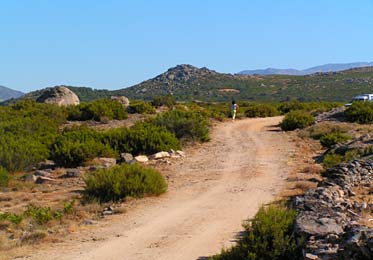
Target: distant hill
x=186, y=82
x=189, y=83
x=7, y=93
x=332, y=67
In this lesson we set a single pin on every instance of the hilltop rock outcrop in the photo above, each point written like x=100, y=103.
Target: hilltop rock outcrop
x=59, y=95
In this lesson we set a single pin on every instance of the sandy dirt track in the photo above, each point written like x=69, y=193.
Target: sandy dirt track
x=211, y=191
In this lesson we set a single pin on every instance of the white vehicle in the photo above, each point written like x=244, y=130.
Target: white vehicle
x=361, y=98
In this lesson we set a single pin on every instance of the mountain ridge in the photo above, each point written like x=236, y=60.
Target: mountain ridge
x=8, y=93
x=188, y=83
x=330, y=67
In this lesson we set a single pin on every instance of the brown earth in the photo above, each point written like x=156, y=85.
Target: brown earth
x=211, y=191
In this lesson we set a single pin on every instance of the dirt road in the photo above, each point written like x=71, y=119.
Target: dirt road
x=211, y=192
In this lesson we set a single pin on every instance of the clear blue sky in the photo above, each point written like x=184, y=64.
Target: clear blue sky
x=115, y=44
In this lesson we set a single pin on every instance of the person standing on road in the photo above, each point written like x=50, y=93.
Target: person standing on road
x=234, y=107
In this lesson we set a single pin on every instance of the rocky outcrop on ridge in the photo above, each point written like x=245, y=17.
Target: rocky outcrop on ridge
x=59, y=95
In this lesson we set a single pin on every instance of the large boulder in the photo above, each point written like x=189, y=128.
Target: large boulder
x=59, y=95
x=121, y=99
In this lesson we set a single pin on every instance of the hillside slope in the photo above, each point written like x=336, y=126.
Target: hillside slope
x=188, y=83
x=7, y=93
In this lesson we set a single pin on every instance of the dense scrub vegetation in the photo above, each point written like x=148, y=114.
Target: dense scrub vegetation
x=99, y=110
x=73, y=147
x=269, y=235
x=167, y=100
x=261, y=110
x=27, y=129
x=140, y=107
x=122, y=181
x=330, y=139
x=360, y=112
x=297, y=119
x=4, y=177
x=186, y=125
x=32, y=131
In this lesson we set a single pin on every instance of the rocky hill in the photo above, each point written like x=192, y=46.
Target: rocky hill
x=7, y=93
x=188, y=83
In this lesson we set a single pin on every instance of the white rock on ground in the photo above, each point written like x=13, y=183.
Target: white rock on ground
x=160, y=155
x=141, y=158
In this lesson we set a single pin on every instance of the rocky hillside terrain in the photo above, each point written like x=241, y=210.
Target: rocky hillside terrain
x=7, y=93
x=188, y=83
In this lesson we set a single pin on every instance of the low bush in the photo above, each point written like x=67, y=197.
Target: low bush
x=27, y=129
x=12, y=217
x=286, y=107
x=319, y=130
x=186, y=125
x=261, y=110
x=73, y=153
x=268, y=236
x=22, y=152
x=147, y=138
x=332, y=159
x=140, y=107
x=296, y=119
x=122, y=181
x=360, y=112
x=4, y=177
x=42, y=215
x=74, y=147
x=99, y=110
x=167, y=100
x=330, y=139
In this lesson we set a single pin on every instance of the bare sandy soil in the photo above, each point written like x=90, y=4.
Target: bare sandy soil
x=211, y=191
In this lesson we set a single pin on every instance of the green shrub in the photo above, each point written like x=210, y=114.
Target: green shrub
x=319, y=130
x=4, y=177
x=27, y=129
x=360, y=112
x=117, y=139
x=42, y=215
x=124, y=180
x=147, y=138
x=261, y=110
x=21, y=152
x=332, y=159
x=140, y=107
x=14, y=218
x=186, y=125
x=98, y=110
x=286, y=107
x=68, y=207
x=330, y=139
x=268, y=236
x=70, y=153
x=296, y=119
x=76, y=146
x=167, y=100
